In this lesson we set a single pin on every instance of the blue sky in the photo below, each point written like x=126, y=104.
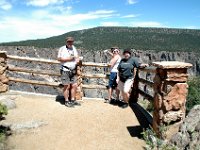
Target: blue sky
x=34, y=19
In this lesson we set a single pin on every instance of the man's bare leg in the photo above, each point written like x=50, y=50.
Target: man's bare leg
x=117, y=93
x=66, y=95
x=110, y=91
x=73, y=91
x=126, y=97
x=66, y=92
x=73, y=94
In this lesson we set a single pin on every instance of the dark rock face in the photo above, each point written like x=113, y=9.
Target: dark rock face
x=188, y=136
x=88, y=56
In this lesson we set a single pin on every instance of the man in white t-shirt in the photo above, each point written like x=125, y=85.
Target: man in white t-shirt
x=68, y=56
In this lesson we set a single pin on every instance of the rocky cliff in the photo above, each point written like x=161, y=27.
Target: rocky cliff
x=89, y=56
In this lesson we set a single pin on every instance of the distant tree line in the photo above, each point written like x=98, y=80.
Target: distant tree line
x=99, y=38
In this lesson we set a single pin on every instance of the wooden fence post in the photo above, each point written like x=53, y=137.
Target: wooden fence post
x=3, y=77
x=135, y=89
x=79, y=93
x=170, y=95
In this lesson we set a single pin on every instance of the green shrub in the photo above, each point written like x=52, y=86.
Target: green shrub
x=153, y=142
x=3, y=110
x=193, y=97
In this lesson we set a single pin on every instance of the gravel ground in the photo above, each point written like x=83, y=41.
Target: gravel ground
x=93, y=126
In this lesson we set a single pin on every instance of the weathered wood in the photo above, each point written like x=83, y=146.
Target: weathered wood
x=134, y=93
x=93, y=86
x=18, y=69
x=147, y=96
x=148, y=69
x=149, y=83
x=55, y=84
x=39, y=60
x=93, y=64
x=95, y=76
x=49, y=61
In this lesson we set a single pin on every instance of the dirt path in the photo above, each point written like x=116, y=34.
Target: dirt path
x=93, y=126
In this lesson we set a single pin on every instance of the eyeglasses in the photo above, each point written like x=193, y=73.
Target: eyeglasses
x=115, y=51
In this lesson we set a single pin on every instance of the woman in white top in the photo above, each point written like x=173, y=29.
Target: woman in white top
x=114, y=62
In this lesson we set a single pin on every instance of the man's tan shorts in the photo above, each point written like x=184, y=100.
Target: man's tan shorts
x=125, y=86
x=67, y=77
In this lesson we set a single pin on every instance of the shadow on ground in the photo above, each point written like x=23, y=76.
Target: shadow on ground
x=60, y=99
x=135, y=131
x=144, y=118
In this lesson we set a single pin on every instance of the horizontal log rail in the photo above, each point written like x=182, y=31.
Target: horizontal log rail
x=148, y=69
x=93, y=64
x=144, y=94
x=105, y=76
x=146, y=82
x=25, y=70
x=39, y=60
x=54, y=84
x=93, y=86
x=50, y=73
x=50, y=61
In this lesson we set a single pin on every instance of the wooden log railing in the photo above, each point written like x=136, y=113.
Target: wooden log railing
x=80, y=73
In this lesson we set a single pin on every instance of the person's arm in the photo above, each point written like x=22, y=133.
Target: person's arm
x=67, y=59
x=113, y=61
x=143, y=65
x=76, y=55
x=108, y=52
x=117, y=80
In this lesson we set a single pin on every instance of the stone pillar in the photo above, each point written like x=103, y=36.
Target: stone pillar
x=79, y=93
x=3, y=77
x=171, y=90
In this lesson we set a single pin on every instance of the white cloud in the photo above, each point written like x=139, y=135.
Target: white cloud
x=5, y=5
x=147, y=24
x=131, y=2
x=42, y=3
x=110, y=24
x=44, y=23
x=130, y=16
x=191, y=27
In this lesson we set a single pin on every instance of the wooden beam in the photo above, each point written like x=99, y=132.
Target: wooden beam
x=149, y=83
x=148, y=69
x=55, y=84
x=39, y=60
x=95, y=76
x=18, y=69
x=93, y=64
x=147, y=96
x=93, y=86
x=50, y=61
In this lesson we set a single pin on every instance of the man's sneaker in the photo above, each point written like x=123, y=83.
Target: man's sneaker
x=75, y=103
x=69, y=104
x=114, y=102
x=125, y=105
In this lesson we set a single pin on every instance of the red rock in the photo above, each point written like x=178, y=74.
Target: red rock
x=176, y=98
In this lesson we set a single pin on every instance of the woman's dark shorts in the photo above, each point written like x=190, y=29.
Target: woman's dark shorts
x=67, y=77
x=112, y=80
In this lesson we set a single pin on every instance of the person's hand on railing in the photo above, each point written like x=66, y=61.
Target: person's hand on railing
x=143, y=65
x=105, y=51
